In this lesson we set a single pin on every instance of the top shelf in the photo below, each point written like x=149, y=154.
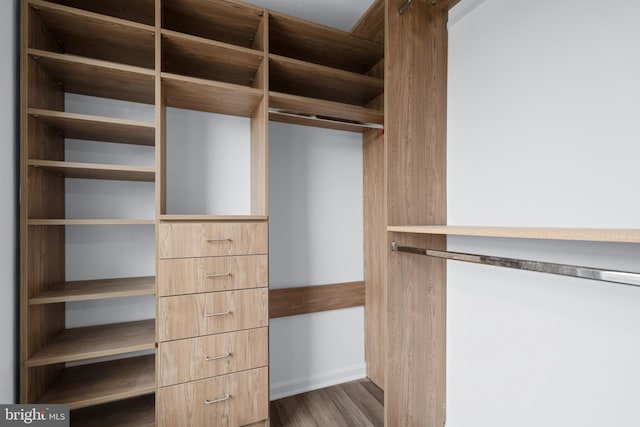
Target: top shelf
x=141, y=11
x=630, y=235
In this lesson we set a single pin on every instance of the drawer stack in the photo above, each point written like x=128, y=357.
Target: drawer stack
x=213, y=351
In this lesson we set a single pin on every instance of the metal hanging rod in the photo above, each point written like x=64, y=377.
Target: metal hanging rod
x=612, y=276
x=403, y=7
x=325, y=119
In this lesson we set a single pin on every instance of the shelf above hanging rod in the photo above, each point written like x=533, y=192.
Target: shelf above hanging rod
x=325, y=119
x=612, y=276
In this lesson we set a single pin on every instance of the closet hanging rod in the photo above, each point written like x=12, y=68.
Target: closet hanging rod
x=403, y=7
x=325, y=119
x=612, y=276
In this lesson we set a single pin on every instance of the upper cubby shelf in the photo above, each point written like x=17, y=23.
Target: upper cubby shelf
x=317, y=81
x=548, y=233
x=95, y=170
x=307, y=41
x=207, y=59
x=65, y=29
x=221, y=20
x=93, y=77
x=142, y=11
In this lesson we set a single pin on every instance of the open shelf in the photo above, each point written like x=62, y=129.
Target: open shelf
x=135, y=412
x=96, y=289
x=202, y=58
x=93, y=77
x=221, y=20
x=89, y=34
x=630, y=235
x=316, y=81
x=201, y=218
x=142, y=11
x=307, y=41
x=214, y=97
x=65, y=221
x=96, y=341
x=98, y=383
x=95, y=170
x=95, y=128
x=320, y=113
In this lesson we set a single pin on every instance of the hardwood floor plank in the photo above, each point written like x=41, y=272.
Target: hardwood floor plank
x=370, y=407
x=373, y=389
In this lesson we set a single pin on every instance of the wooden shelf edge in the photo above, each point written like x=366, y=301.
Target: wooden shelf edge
x=133, y=412
x=548, y=233
x=81, y=60
x=96, y=289
x=213, y=218
x=96, y=341
x=63, y=221
x=213, y=43
x=96, y=170
x=177, y=78
x=312, y=299
x=36, y=112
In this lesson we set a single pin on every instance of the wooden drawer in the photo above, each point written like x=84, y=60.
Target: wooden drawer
x=197, y=358
x=195, y=315
x=185, y=240
x=226, y=401
x=194, y=275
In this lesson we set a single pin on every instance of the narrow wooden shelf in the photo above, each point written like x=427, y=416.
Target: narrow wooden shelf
x=95, y=128
x=214, y=97
x=631, y=235
x=96, y=170
x=142, y=11
x=96, y=341
x=98, y=383
x=213, y=218
x=317, y=81
x=96, y=289
x=226, y=21
x=206, y=59
x=333, y=115
x=135, y=412
x=65, y=221
x=97, y=78
x=307, y=41
x=97, y=36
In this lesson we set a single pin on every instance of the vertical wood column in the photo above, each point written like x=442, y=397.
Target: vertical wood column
x=415, y=127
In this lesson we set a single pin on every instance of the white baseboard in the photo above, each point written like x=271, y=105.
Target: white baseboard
x=317, y=381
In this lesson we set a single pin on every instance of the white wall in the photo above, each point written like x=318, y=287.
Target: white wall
x=8, y=190
x=315, y=238
x=543, y=131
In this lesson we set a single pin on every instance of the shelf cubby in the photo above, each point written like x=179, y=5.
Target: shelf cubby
x=207, y=59
x=69, y=221
x=83, y=290
x=104, y=382
x=134, y=412
x=141, y=11
x=79, y=32
x=95, y=170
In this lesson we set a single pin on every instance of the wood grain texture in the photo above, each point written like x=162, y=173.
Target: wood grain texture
x=196, y=315
x=184, y=404
x=629, y=235
x=95, y=128
x=98, y=383
x=96, y=341
x=375, y=254
x=57, y=222
x=135, y=412
x=186, y=360
x=313, y=122
x=84, y=290
x=371, y=25
x=213, y=218
x=179, y=240
x=95, y=170
x=312, y=299
x=260, y=156
x=195, y=275
x=141, y=11
x=415, y=138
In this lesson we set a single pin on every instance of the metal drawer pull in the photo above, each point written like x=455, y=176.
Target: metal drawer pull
x=210, y=358
x=212, y=276
x=222, y=399
x=226, y=313
x=217, y=240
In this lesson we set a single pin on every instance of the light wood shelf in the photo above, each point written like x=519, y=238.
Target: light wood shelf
x=96, y=341
x=96, y=289
x=89, y=34
x=135, y=412
x=141, y=11
x=105, y=382
x=213, y=218
x=317, y=81
x=221, y=20
x=311, y=42
x=65, y=221
x=203, y=58
x=95, y=170
x=96, y=128
x=205, y=95
x=338, y=116
x=631, y=235
x=93, y=77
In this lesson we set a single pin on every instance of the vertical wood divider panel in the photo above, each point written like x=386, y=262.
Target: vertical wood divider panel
x=161, y=176
x=415, y=124
x=260, y=127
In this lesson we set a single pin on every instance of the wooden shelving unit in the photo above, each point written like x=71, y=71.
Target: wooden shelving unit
x=83, y=290
x=69, y=221
x=141, y=11
x=95, y=171
x=135, y=412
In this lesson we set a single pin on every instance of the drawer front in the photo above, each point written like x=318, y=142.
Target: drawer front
x=194, y=275
x=185, y=240
x=197, y=358
x=195, y=315
x=226, y=401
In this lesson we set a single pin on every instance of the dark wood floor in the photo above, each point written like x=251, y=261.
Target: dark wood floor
x=353, y=404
